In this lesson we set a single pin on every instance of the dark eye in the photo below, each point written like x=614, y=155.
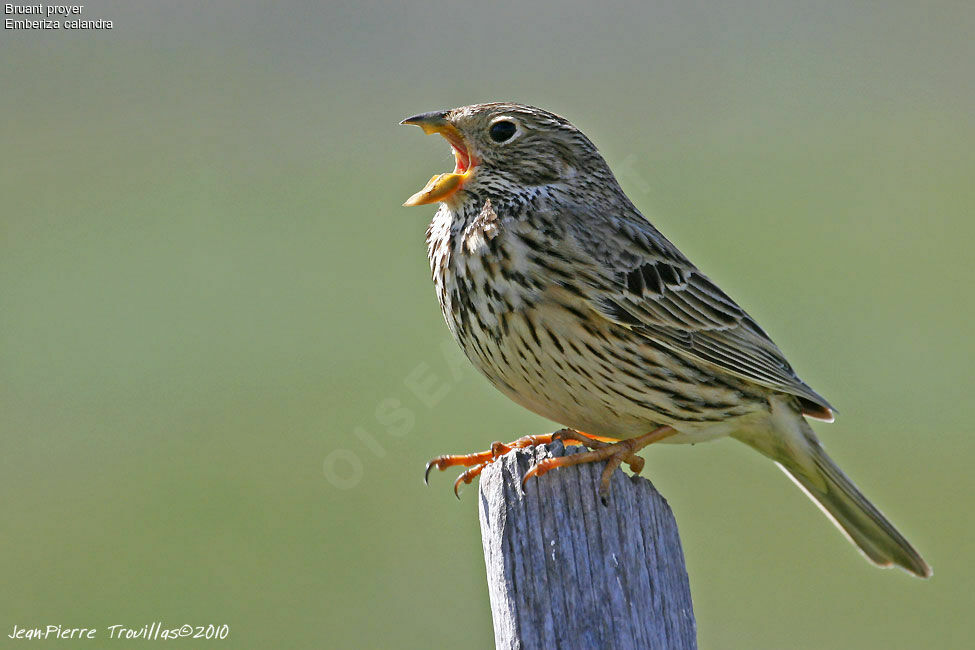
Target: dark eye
x=503, y=130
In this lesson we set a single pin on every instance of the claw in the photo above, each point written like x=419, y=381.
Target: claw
x=604, y=481
x=440, y=462
x=615, y=454
x=540, y=468
x=467, y=476
x=475, y=463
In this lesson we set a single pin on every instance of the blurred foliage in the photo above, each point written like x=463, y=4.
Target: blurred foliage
x=209, y=287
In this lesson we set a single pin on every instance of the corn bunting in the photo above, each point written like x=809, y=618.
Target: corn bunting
x=576, y=307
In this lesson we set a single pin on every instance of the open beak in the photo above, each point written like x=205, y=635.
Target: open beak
x=442, y=186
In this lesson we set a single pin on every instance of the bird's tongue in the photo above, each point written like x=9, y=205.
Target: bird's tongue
x=462, y=160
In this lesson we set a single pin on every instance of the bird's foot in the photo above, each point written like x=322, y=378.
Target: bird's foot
x=475, y=463
x=615, y=454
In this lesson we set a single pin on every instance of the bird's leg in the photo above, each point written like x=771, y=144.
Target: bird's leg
x=614, y=455
x=635, y=462
x=478, y=461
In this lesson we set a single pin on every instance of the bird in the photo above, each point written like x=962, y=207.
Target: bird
x=576, y=307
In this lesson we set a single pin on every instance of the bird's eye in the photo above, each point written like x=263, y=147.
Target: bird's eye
x=502, y=131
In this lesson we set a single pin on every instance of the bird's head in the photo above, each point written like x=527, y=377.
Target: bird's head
x=504, y=149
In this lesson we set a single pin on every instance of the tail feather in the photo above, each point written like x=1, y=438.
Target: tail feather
x=858, y=519
x=805, y=461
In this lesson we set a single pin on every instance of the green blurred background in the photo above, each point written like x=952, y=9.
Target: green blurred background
x=212, y=300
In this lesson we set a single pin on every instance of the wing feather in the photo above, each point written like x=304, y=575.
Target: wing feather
x=640, y=280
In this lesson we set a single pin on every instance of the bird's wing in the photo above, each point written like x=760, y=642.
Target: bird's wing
x=639, y=280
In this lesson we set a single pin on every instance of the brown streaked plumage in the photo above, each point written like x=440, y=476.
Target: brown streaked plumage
x=572, y=304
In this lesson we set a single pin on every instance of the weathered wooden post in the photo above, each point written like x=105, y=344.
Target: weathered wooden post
x=565, y=571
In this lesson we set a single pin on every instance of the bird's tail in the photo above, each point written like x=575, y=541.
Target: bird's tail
x=805, y=461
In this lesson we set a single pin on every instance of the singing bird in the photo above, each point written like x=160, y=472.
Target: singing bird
x=576, y=307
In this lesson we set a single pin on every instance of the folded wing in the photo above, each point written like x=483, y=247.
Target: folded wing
x=640, y=281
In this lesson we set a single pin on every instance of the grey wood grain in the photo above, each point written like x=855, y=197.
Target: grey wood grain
x=565, y=571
